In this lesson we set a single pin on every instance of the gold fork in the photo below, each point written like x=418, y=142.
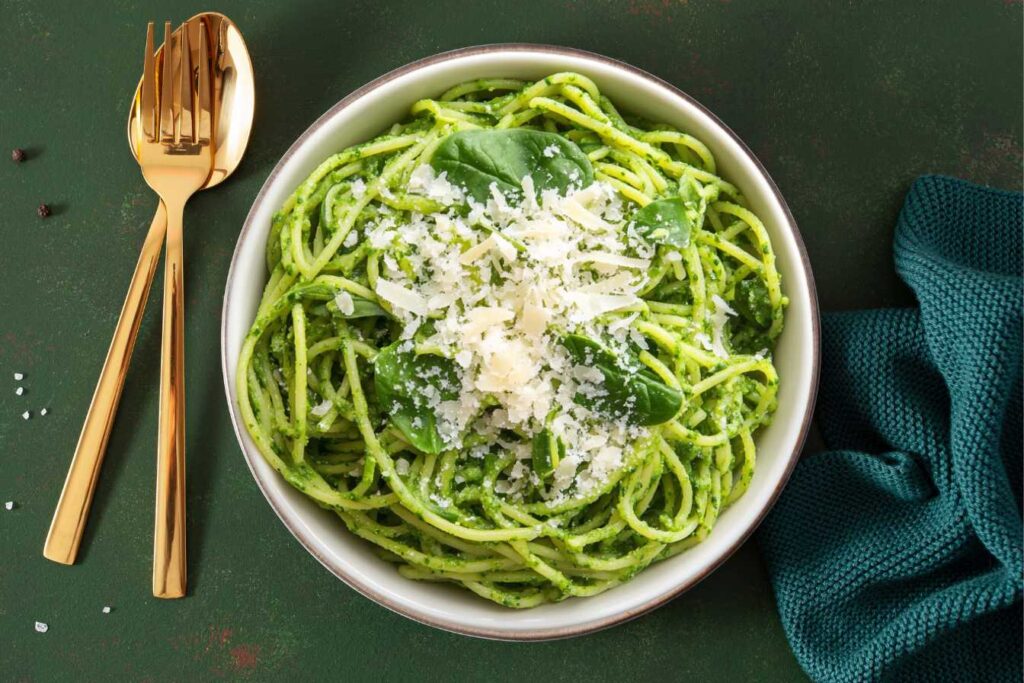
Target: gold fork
x=176, y=155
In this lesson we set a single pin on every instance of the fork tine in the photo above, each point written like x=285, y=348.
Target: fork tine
x=184, y=97
x=147, y=95
x=166, y=85
x=204, y=116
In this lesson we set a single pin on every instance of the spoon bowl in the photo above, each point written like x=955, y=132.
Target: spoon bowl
x=233, y=92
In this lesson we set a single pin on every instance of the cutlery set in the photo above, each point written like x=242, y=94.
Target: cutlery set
x=188, y=127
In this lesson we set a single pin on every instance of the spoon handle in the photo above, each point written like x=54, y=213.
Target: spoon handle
x=169, y=532
x=69, y=518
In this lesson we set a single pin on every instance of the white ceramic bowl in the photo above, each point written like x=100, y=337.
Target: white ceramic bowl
x=365, y=113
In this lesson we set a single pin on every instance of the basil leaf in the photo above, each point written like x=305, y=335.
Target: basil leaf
x=474, y=159
x=547, y=450
x=638, y=395
x=752, y=302
x=403, y=380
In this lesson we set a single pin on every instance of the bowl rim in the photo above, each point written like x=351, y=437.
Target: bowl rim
x=590, y=626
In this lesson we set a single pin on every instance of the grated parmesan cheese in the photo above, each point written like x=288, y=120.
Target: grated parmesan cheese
x=499, y=286
x=322, y=409
x=479, y=319
x=615, y=260
x=533, y=320
x=343, y=300
x=358, y=188
x=589, y=306
x=478, y=250
x=399, y=296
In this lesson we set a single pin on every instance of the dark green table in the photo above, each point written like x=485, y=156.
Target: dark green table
x=845, y=103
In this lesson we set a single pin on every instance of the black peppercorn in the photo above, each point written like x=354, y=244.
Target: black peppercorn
x=18, y=155
x=43, y=211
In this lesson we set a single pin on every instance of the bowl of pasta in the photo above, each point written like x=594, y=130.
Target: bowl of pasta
x=520, y=341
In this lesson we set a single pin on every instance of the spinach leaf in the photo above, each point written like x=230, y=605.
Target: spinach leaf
x=548, y=449
x=475, y=159
x=752, y=302
x=403, y=380
x=664, y=221
x=361, y=308
x=638, y=395
x=673, y=220
x=322, y=291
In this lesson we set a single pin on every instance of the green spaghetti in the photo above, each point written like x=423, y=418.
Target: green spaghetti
x=521, y=342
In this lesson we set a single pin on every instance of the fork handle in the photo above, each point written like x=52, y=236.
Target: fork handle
x=69, y=518
x=169, y=532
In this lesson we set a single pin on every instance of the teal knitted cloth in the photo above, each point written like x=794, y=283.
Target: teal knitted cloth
x=897, y=555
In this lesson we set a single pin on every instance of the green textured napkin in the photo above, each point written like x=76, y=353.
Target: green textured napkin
x=897, y=555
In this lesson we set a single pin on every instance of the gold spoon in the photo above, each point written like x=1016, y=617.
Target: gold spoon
x=234, y=99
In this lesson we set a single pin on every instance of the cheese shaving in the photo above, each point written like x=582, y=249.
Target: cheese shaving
x=343, y=300
x=399, y=296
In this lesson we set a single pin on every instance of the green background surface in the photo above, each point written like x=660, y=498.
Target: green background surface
x=845, y=103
